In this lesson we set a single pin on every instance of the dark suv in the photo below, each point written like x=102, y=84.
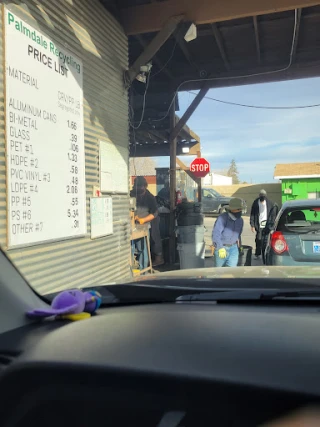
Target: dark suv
x=215, y=203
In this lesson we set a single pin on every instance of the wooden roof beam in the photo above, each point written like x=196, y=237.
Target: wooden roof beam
x=256, y=75
x=221, y=48
x=186, y=133
x=152, y=48
x=155, y=59
x=256, y=33
x=188, y=113
x=206, y=32
x=186, y=169
x=152, y=17
x=148, y=136
x=157, y=150
x=163, y=136
x=195, y=150
x=158, y=136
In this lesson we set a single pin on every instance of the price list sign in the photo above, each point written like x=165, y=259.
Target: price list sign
x=46, y=194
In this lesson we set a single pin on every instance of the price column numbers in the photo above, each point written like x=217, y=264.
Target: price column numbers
x=72, y=125
x=73, y=213
x=72, y=188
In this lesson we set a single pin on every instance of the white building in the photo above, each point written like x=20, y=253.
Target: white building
x=215, y=179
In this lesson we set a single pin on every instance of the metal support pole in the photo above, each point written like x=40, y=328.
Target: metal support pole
x=199, y=191
x=173, y=179
x=174, y=132
x=199, y=183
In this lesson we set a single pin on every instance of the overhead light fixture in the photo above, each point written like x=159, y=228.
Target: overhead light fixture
x=185, y=150
x=146, y=68
x=191, y=34
x=141, y=77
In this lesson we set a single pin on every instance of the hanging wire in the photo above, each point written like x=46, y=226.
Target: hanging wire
x=239, y=76
x=146, y=89
x=135, y=151
x=143, y=106
x=260, y=107
x=165, y=65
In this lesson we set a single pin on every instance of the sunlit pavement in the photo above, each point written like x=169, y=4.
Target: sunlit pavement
x=248, y=238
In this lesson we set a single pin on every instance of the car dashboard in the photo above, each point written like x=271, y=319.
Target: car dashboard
x=167, y=365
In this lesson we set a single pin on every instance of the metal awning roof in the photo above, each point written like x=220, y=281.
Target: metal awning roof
x=250, y=46
x=238, y=42
x=148, y=141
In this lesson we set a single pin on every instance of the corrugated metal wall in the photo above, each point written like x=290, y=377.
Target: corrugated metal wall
x=90, y=32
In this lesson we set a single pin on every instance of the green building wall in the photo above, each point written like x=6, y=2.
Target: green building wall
x=300, y=189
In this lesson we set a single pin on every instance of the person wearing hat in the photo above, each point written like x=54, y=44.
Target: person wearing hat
x=226, y=235
x=260, y=211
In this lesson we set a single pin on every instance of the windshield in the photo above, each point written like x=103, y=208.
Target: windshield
x=110, y=149
x=213, y=192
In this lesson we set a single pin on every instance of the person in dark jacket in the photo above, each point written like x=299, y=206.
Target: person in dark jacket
x=147, y=213
x=260, y=211
x=266, y=231
x=164, y=193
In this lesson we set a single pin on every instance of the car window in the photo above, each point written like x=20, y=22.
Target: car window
x=209, y=193
x=300, y=220
x=215, y=193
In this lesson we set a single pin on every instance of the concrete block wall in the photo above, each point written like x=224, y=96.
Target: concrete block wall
x=153, y=189
x=249, y=192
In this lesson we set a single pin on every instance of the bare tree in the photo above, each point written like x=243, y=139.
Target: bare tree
x=233, y=172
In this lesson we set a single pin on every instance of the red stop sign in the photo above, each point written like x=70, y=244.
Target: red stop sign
x=200, y=167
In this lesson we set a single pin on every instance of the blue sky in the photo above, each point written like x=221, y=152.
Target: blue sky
x=257, y=139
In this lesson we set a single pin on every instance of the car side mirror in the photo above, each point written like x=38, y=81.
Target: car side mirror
x=209, y=196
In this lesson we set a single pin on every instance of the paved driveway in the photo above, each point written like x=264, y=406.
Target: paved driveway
x=247, y=238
